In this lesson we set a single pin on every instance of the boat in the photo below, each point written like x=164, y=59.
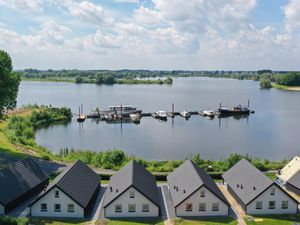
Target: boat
x=124, y=110
x=234, y=111
x=161, y=115
x=209, y=113
x=185, y=114
x=81, y=118
x=135, y=117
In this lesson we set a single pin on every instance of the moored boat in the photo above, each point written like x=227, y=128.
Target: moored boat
x=209, y=113
x=161, y=115
x=135, y=117
x=185, y=114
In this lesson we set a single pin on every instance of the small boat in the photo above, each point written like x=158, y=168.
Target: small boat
x=161, y=115
x=185, y=114
x=81, y=118
x=209, y=113
x=135, y=117
x=234, y=111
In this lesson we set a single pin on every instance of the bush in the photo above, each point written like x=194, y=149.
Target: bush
x=265, y=83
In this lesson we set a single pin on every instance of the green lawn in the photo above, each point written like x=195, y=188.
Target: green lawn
x=273, y=220
x=131, y=222
x=58, y=222
x=206, y=221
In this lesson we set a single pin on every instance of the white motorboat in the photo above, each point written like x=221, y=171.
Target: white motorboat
x=124, y=110
x=161, y=115
x=185, y=114
x=209, y=113
x=135, y=117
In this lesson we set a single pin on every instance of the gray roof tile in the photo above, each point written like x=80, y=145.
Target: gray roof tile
x=295, y=180
x=19, y=178
x=78, y=181
x=246, y=181
x=132, y=174
x=189, y=178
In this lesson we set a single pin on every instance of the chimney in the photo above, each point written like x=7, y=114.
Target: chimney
x=110, y=188
x=254, y=188
x=176, y=188
x=183, y=191
x=117, y=190
x=242, y=186
x=237, y=186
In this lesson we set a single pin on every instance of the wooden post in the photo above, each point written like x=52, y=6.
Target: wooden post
x=173, y=108
x=248, y=103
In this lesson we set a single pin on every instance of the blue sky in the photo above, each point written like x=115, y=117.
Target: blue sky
x=152, y=34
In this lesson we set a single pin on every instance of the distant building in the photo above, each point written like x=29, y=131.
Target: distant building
x=71, y=194
x=293, y=184
x=256, y=193
x=289, y=170
x=20, y=181
x=132, y=192
x=194, y=193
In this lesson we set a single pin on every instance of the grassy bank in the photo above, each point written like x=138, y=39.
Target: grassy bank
x=273, y=220
x=288, y=88
x=206, y=221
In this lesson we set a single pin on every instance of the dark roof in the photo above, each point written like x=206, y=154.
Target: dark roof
x=19, y=178
x=132, y=175
x=78, y=181
x=295, y=180
x=246, y=181
x=188, y=178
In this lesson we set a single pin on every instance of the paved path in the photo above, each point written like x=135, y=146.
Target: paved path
x=163, y=212
x=170, y=210
x=95, y=214
x=236, y=210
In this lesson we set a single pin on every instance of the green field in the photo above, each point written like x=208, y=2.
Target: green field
x=207, y=221
x=273, y=220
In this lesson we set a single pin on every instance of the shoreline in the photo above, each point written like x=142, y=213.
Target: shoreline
x=286, y=88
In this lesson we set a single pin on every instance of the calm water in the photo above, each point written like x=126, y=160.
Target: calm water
x=272, y=132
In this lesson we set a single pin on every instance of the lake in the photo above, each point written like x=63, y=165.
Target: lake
x=272, y=132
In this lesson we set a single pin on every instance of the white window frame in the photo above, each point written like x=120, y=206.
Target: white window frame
x=202, y=209
x=118, y=210
x=68, y=208
x=272, y=191
x=55, y=209
x=131, y=194
x=189, y=207
x=146, y=207
x=202, y=193
x=131, y=208
x=283, y=203
x=261, y=205
x=273, y=207
x=44, y=210
x=215, y=207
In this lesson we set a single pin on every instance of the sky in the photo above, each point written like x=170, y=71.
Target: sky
x=152, y=34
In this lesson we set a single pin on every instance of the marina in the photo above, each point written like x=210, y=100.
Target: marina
x=119, y=113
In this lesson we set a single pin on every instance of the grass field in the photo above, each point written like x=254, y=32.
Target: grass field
x=288, y=88
x=273, y=220
x=208, y=221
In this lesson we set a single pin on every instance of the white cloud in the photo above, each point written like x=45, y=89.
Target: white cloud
x=292, y=15
x=24, y=5
x=127, y=1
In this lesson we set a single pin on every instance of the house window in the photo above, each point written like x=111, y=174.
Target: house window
x=202, y=193
x=118, y=208
x=272, y=191
x=189, y=207
x=71, y=208
x=215, y=207
x=44, y=207
x=56, y=194
x=272, y=204
x=57, y=208
x=202, y=207
x=259, y=205
x=285, y=204
x=131, y=194
x=131, y=208
x=145, y=207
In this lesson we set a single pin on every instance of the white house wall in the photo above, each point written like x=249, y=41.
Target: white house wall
x=279, y=196
x=195, y=199
x=125, y=199
x=50, y=200
x=1, y=209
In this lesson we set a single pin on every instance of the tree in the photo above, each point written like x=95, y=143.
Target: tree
x=9, y=84
x=265, y=83
x=78, y=80
x=99, y=79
